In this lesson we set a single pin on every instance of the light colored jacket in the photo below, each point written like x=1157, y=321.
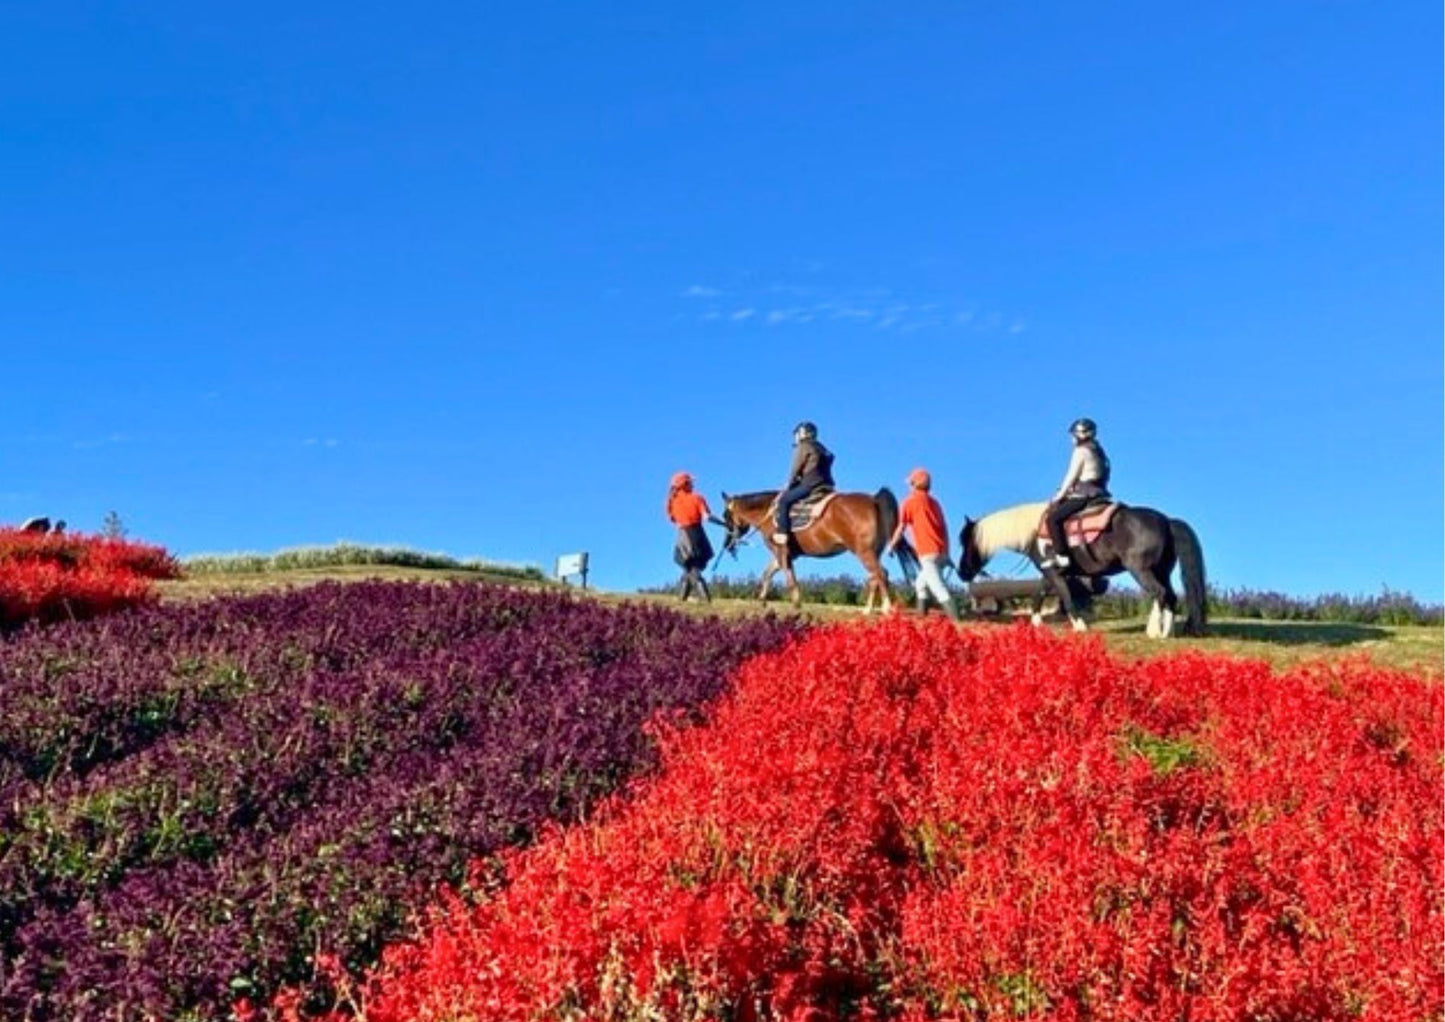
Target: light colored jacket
x=1088, y=468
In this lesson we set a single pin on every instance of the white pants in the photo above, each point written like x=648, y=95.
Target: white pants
x=930, y=578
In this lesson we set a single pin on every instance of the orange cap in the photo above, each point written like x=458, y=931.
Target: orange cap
x=681, y=479
x=920, y=478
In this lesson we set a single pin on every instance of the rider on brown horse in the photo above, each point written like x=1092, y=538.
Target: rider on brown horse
x=1086, y=481
x=812, y=467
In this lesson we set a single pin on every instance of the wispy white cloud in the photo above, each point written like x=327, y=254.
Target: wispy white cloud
x=105, y=441
x=892, y=316
x=882, y=308
x=796, y=290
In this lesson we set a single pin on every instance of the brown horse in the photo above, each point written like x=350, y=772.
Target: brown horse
x=851, y=521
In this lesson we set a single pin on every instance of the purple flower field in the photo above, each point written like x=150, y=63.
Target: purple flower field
x=196, y=800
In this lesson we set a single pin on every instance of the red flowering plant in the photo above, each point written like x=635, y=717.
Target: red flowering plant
x=55, y=577
x=915, y=822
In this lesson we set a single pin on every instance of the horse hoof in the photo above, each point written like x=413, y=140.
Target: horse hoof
x=1037, y=620
x=1080, y=625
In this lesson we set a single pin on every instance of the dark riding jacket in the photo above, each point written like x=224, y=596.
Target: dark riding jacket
x=812, y=465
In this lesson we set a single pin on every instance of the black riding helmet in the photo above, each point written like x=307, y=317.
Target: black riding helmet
x=807, y=429
x=1083, y=428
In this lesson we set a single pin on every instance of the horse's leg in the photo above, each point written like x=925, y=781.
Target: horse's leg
x=1161, y=614
x=1066, y=601
x=877, y=578
x=768, y=574
x=1162, y=571
x=1168, y=607
x=797, y=594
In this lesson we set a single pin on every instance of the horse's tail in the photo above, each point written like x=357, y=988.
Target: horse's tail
x=888, y=521
x=1191, y=567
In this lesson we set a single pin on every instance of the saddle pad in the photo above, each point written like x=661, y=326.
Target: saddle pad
x=1085, y=526
x=810, y=509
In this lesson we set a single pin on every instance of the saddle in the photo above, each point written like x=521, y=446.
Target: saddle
x=1085, y=526
x=808, y=510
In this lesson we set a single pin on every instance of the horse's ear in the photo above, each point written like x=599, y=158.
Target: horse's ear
x=967, y=521
x=726, y=498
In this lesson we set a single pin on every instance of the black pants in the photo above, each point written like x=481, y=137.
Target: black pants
x=692, y=553
x=1060, y=513
x=692, y=577
x=792, y=495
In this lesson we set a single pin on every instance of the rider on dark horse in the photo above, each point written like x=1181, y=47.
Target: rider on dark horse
x=812, y=468
x=1086, y=481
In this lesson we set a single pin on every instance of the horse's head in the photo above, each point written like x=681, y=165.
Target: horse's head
x=970, y=562
x=733, y=522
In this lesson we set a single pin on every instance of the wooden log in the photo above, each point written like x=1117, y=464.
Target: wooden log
x=1008, y=589
x=993, y=595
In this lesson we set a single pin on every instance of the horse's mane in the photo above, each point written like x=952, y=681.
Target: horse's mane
x=1012, y=528
x=755, y=500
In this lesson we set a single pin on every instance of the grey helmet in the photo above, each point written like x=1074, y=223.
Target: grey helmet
x=1084, y=429
x=805, y=430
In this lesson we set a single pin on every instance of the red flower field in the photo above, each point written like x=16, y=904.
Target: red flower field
x=51, y=577
x=910, y=821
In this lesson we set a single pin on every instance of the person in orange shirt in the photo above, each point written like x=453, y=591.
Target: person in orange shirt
x=687, y=510
x=924, y=515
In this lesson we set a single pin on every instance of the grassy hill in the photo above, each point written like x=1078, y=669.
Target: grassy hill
x=1413, y=647
x=212, y=574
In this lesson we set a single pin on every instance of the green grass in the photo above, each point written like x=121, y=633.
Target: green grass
x=220, y=574
x=1416, y=648
x=1419, y=648
x=340, y=555
x=1164, y=755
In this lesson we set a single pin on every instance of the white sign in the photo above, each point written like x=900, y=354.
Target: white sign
x=572, y=564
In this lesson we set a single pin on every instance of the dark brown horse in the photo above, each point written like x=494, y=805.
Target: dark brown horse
x=851, y=521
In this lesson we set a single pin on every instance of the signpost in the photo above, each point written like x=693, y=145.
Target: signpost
x=569, y=565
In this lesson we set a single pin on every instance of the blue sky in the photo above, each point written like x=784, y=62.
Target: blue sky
x=479, y=278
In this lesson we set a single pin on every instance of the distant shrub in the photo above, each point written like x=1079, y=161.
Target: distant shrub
x=348, y=554
x=1388, y=608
